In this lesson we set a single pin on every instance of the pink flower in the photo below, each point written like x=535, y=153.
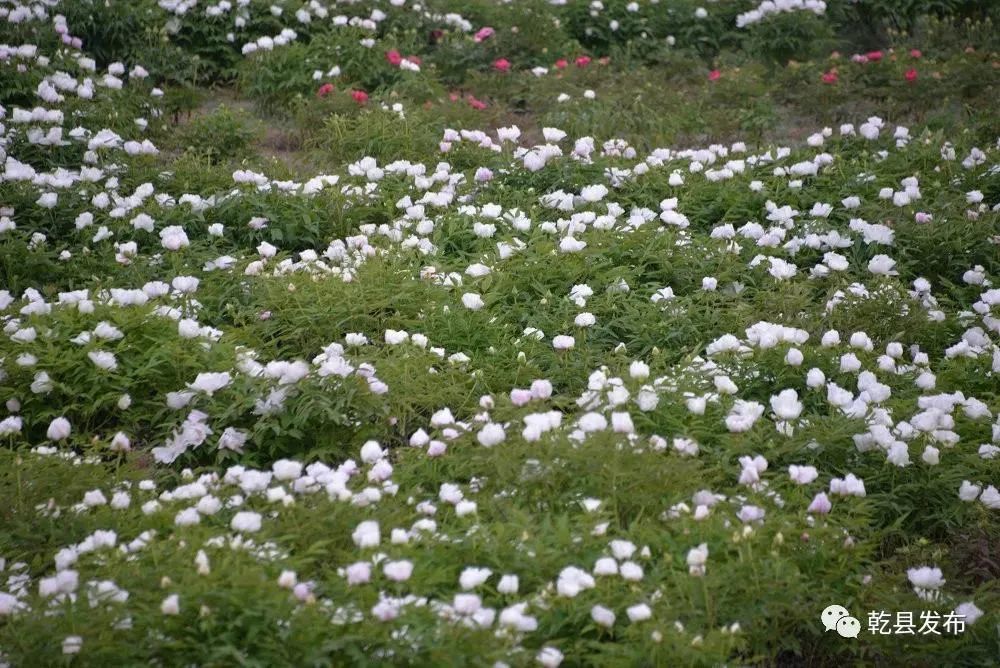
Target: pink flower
x=582, y=61
x=911, y=75
x=394, y=57
x=478, y=105
x=714, y=75
x=501, y=65
x=874, y=56
x=561, y=64
x=324, y=90
x=830, y=77
x=915, y=53
x=484, y=33
x=820, y=504
x=923, y=217
x=359, y=96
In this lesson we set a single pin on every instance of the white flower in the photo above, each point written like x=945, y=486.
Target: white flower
x=103, y=360
x=233, y=439
x=473, y=577
x=589, y=422
x=266, y=250
x=491, y=434
x=508, y=584
x=882, y=265
x=622, y=549
x=621, y=423
x=968, y=491
x=371, y=452
x=563, y=342
x=990, y=498
x=602, y=616
x=638, y=370
x=549, y=657
x=820, y=504
x=631, y=571
x=572, y=581
x=246, y=521
x=594, y=193
x=185, y=284
x=970, y=611
x=639, y=613
x=210, y=382
x=358, y=573
x=174, y=238
x=398, y=571
x=10, y=425
x=287, y=580
x=72, y=645
x=802, y=475
x=786, y=405
x=286, y=469
x=743, y=415
x=696, y=558
x=366, y=534
x=208, y=505
x=59, y=429
x=473, y=301
x=187, y=517
x=926, y=581
x=171, y=605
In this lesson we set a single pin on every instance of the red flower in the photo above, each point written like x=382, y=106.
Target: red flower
x=359, y=96
x=501, y=65
x=915, y=53
x=582, y=61
x=874, y=56
x=394, y=57
x=324, y=90
x=435, y=36
x=911, y=75
x=714, y=75
x=830, y=77
x=561, y=64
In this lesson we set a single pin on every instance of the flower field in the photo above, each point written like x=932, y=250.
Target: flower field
x=499, y=333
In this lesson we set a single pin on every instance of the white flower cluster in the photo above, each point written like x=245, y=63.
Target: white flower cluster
x=769, y=7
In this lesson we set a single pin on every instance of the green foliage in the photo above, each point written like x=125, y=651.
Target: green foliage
x=398, y=231
x=221, y=135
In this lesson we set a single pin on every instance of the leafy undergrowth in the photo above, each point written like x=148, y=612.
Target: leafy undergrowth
x=499, y=333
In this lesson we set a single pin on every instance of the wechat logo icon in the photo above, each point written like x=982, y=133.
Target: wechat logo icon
x=837, y=618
